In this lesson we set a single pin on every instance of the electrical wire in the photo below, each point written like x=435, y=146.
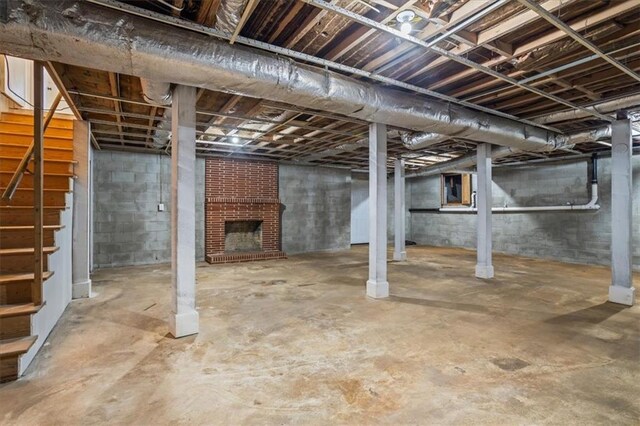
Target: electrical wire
x=8, y=85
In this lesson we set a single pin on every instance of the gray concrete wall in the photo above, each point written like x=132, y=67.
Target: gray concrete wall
x=317, y=212
x=128, y=228
x=580, y=237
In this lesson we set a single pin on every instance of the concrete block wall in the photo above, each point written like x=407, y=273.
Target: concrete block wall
x=579, y=237
x=128, y=228
x=317, y=212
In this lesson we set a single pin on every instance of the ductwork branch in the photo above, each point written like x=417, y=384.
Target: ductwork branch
x=156, y=92
x=421, y=140
x=469, y=160
x=228, y=15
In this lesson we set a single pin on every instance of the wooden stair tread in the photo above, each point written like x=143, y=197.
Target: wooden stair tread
x=46, y=136
x=28, y=227
x=31, y=207
x=16, y=278
x=50, y=148
x=51, y=160
x=45, y=173
x=13, y=347
x=26, y=250
x=44, y=189
x=19, y=309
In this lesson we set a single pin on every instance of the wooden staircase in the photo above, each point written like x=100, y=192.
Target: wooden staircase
x=17, y=228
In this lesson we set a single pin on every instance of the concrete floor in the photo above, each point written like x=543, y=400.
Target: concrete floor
x=296, y=341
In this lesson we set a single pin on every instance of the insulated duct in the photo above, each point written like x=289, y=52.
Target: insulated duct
x=603, y=108
x=422, y=140
x=159, y=93
x=228, y=15
x=71, y=31
x=469, y=160
x=460, y=163
x=156, y=92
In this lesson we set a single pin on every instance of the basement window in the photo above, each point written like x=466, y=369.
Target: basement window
x=455, y=189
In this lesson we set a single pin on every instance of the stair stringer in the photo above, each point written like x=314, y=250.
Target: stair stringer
x=56, y=291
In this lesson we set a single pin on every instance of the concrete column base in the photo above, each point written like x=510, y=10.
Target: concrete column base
x=483, y=271
x=181, y=325
x=622, y=295
x=377, y=290
x=81, y=290
x=402, y=256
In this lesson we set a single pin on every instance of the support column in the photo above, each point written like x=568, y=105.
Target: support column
x=38, y=181
x=377, y=285
x=621, y=289
x=81, y=213
x=484, y=267
x=399, y=250
x=184, y=317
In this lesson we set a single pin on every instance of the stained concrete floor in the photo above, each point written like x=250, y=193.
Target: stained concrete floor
x=296, y=341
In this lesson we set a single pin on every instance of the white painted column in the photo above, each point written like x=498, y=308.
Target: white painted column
x=81, y=211
x=484, y=267
x=377, y=285
x=184, y=317
x=621, y=289
x=399, y=250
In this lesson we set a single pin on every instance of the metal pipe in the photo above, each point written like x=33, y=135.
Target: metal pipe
x=603, y=108
x=591, y=205
x=134, y=46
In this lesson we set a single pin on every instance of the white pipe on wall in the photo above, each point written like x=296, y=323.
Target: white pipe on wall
x=591, y=205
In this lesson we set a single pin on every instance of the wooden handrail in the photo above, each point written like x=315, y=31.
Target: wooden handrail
x=22, y=167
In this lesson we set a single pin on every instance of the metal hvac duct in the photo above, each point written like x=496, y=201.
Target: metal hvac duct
x=469, y=160
x=71, y=31
x=159, y=93
x=422, y=140
x=228, y=15
x=603, y=108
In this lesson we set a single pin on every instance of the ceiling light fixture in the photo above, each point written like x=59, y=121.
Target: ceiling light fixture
x=404, y=18
x=235, y=139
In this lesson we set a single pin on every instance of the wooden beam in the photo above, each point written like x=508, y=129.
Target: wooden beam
x=286, y=20
x=311, y=21
x=494, y=33
x=207, y=13
x=363, y=33
x=115, y=92
x=465, y=11
x=179, y=4
x=38, y=183
x=152, y=113
x=550, y=37
x=248, y=10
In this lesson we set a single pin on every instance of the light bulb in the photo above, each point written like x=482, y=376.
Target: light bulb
x=235, y=139
x=405, y=28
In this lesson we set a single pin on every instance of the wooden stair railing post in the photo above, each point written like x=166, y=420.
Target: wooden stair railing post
x=38, y=153
x=22, y=167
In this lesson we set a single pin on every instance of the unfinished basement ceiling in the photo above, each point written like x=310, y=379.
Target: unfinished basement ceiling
x=505, y=36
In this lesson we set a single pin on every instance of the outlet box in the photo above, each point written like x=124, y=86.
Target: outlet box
x=160, y=207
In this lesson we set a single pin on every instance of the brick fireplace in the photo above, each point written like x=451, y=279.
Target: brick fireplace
x=242, y=211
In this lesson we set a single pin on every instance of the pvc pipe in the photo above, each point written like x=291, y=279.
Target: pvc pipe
x=591, y=205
